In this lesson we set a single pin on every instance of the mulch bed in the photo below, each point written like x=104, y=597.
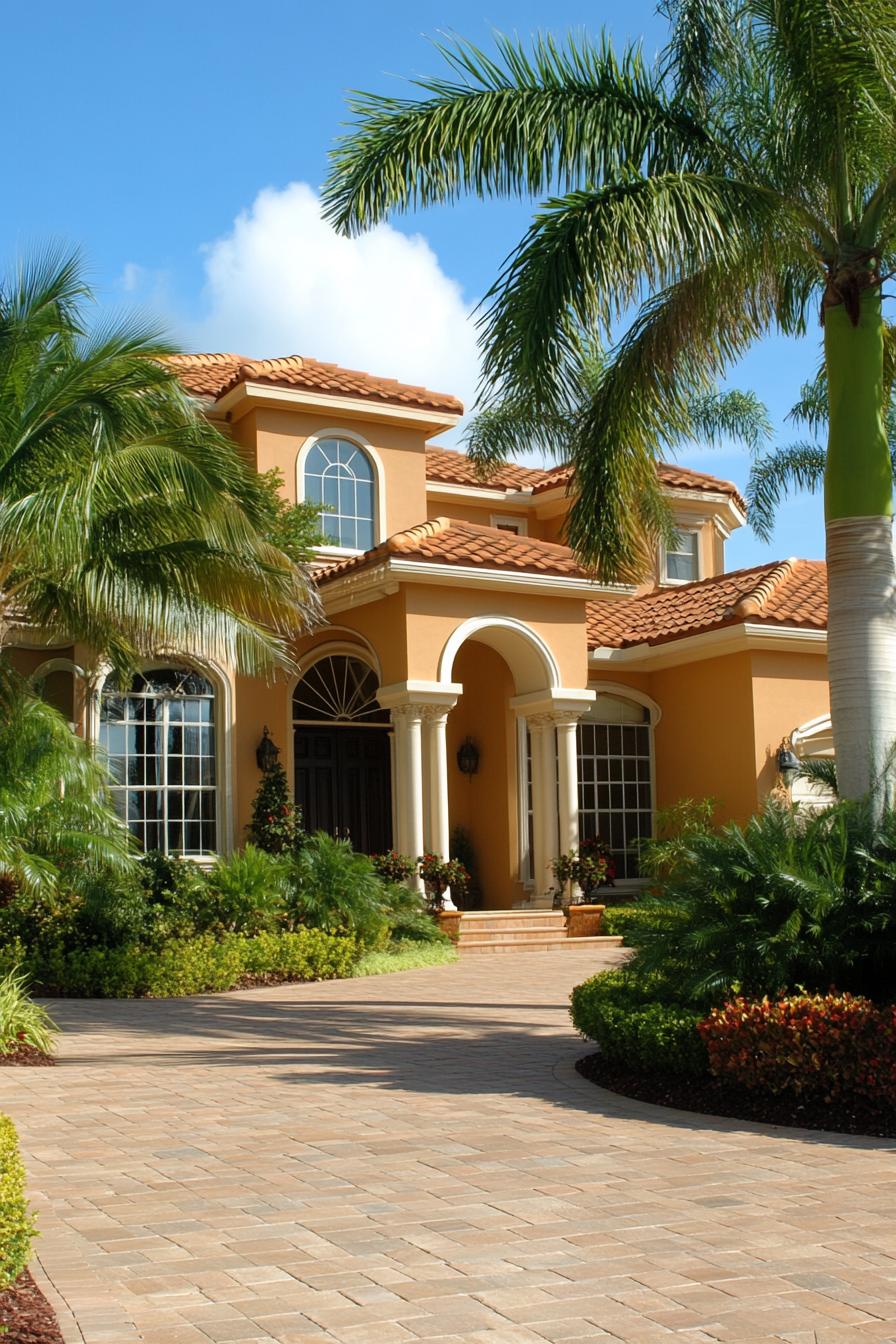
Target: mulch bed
x=715, y=1097
x=27, y=1315
x=26, y=1054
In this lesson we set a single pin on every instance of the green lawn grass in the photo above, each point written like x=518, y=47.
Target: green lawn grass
x=405, y=956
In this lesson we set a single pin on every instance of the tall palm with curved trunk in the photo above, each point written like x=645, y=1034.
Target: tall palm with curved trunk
x=743, y=183
x=127, y=521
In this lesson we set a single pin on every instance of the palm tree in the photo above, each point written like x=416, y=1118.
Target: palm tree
x=740, y=184
x=55, y=812
x=127, y=521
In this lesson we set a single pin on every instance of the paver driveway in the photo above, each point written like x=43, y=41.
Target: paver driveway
x=412, y=1157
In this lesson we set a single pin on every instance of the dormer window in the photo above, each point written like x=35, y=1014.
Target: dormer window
x=339, y=475
x=680, y=562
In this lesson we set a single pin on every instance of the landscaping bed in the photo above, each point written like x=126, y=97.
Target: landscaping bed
x=718, y=1097
x=26, y=1315
x=25, y=1054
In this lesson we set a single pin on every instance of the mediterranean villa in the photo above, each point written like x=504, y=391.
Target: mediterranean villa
x=470, y=673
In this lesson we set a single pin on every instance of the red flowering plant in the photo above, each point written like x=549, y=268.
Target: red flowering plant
x=439, y=874
x=276, y=824
x=587, y=868
x=831, y=1046
x=393, y=867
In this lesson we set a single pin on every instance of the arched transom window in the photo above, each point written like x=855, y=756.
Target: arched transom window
x=160, y=738
x=615, y=778
x=339, y=475
x=338, y=689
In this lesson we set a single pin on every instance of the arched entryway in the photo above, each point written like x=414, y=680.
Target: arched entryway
x=342, y=752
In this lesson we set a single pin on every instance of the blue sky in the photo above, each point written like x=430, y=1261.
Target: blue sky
x=171, y=143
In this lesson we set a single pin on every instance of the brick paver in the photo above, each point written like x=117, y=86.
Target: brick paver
x=413, y=1158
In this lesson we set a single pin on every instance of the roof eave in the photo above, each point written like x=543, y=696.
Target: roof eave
x=719, y=640
x=244, y=396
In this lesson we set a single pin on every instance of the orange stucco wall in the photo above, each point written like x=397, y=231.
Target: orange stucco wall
x=788, y=689
x=485, y=803
x=273, y=438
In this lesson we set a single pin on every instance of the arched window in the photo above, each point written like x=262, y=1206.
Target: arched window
x=338, y=689
x=159, y=735
x=339, y=475
x=616, y=777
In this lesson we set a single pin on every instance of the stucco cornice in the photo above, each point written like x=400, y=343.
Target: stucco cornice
x=382, y=580
x=743, y=637
x=242, y=398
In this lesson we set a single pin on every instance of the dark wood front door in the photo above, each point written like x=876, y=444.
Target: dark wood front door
x=344, y=784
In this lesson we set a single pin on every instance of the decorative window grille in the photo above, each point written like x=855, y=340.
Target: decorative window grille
x=339, y=476
x=159, y=736
x=338, y=689
x=615, y=778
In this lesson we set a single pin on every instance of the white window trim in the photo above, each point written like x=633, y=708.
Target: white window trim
x=379, y=483
x=665, y=581
x=223, y=721
x=621, y=691
x=511, y=523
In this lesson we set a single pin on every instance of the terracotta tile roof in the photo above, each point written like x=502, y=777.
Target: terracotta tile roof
x=211, y=375
x=448, y=466
x=790, y=592
x=453, y=542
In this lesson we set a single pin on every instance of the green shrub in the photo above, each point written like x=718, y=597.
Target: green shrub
x=333, y=888
x=113, y=910
x=178, y=897
x=655, y=1035
x=22, y=1021
x=789, y=900
x=192, y=965
x=408, y=918
x=619, y=920
x=248, y=891
x=276, y=825
x=16, y=1224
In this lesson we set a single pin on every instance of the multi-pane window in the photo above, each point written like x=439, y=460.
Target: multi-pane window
x=339, y=476
x=160, y=739
x=680, y=562
x=615, y=787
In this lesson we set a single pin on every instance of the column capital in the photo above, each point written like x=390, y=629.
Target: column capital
x=417, y=695
x=559, y=700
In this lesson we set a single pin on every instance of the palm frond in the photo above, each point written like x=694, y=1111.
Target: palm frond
x=798, y=466
x=518, y=123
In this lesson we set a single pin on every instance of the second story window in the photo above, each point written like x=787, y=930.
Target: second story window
x=339, y=475
x=680, y=562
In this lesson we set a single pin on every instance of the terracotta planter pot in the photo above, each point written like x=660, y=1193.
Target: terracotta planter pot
x=449, y=922
x=583, y=921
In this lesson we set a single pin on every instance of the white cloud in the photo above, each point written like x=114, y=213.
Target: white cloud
x=282, y=282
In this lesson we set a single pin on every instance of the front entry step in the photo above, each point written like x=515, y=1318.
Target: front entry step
x=517, y=931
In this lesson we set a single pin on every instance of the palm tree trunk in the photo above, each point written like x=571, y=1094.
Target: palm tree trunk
x=861, y=568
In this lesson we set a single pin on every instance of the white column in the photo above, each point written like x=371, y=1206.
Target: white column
x=544, y=802
x=439, y=823
x=409, y=778
x=568, y=779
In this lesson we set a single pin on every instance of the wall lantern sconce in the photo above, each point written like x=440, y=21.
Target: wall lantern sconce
x=266, y=752
x=788, y=762
x=468, y=757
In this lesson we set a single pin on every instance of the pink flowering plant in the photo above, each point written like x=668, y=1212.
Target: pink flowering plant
x=392, y=867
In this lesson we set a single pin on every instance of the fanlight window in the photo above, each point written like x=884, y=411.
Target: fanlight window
x=339, y=475
x=338, y=689
x=615, y=785
x=160, y=740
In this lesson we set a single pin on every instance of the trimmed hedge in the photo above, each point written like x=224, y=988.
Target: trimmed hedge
x=620, y=920
x=16, y=1224
x=187, y=966
x=655, y=1036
